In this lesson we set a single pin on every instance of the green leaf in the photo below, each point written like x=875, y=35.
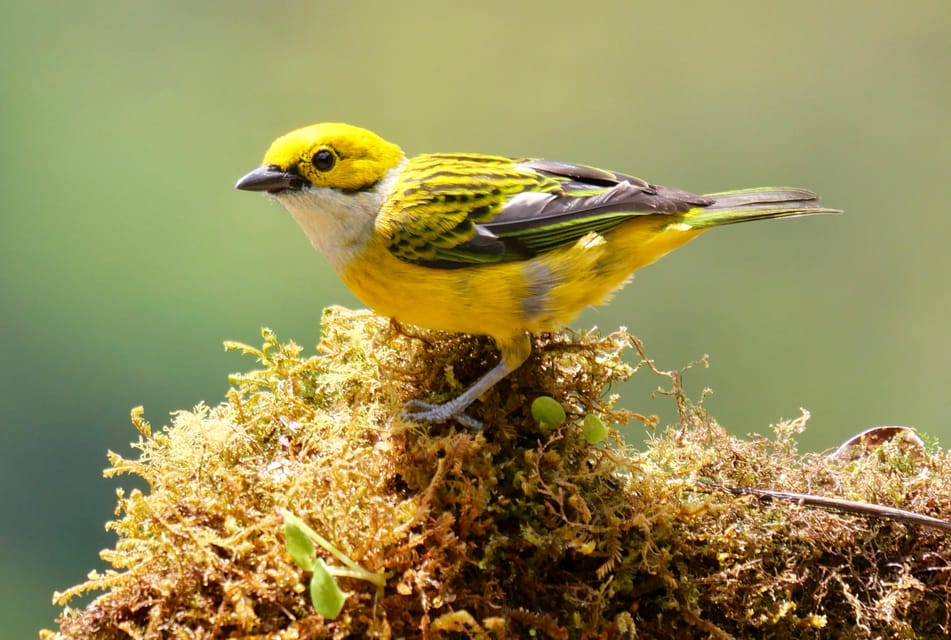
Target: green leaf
x=298, y=543
x=593, y=429
x=325, y=595
x=547, y=412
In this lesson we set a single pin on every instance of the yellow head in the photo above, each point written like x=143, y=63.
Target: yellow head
x=335, y=155
x=333, y=179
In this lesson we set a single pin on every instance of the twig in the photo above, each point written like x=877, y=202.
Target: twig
x=839, y=504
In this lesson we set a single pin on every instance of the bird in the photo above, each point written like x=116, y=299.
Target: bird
x=486, y=244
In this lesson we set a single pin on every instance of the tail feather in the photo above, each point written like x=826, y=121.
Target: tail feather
x=760, y=203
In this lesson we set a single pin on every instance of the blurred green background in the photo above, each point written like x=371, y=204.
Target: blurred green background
x=127, y=257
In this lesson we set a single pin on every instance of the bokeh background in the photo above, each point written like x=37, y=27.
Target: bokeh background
x=126, y=257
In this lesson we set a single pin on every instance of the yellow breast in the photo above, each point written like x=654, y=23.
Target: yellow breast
x=543, y=293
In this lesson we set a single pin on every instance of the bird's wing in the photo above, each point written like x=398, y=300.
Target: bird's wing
x=452, y=210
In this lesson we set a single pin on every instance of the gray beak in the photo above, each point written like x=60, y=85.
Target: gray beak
x=270, y=178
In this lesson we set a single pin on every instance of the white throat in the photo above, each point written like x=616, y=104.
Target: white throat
x=339, y=224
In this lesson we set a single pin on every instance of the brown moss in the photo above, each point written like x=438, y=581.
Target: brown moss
x=505, y=532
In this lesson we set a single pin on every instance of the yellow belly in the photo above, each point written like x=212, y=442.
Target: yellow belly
x=507, y=299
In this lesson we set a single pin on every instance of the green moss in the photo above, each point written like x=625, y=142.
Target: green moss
x=510, y=531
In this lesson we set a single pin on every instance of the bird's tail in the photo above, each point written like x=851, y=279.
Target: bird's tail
x=755, y=204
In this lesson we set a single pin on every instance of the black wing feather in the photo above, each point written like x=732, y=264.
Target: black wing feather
x=588, y=199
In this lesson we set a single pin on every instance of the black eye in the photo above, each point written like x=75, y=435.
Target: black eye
x=324, y=160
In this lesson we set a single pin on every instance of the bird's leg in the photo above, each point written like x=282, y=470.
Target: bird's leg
x=514, y=351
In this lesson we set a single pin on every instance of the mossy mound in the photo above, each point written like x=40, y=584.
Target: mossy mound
x=517, y=530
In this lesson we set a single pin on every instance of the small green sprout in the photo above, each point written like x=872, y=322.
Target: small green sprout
x=325, y=594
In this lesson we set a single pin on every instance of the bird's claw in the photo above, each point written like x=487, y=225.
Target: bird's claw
x=429, y=413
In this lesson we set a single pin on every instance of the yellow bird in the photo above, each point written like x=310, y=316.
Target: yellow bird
x=484, y=244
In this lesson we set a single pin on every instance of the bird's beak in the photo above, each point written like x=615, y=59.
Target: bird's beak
x=270, y=178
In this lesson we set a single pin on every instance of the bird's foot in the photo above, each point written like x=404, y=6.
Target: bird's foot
x=513, y=355
x=429, y=413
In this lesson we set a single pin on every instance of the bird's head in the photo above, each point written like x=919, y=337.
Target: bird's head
x=327, y=155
